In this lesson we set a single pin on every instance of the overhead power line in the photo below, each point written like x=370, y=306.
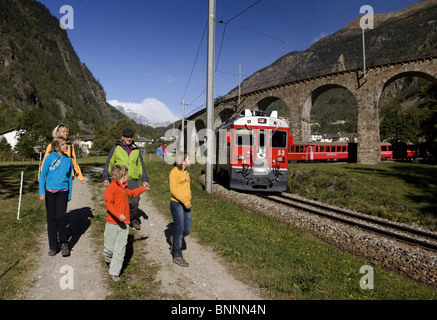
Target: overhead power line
x=197, y=55
x=224, y=31
x=264, y=35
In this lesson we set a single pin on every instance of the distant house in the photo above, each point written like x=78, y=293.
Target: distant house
x=142, y=142
x=347, y=137
x=316, y=137
x=85, y=142
x=334, y=137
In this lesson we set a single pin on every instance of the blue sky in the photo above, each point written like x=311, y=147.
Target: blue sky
x=143, y=51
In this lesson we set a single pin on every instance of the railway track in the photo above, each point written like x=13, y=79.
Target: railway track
x=390, y=245
x=401, y=232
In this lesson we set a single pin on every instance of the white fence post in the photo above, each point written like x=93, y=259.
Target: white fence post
x=21, y=192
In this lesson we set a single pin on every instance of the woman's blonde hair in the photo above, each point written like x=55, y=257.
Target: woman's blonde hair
x=58, y=127
x=179, y=160
x=118, y=171
x=57, y=143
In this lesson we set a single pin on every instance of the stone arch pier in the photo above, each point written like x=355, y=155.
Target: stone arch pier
x=299, y=96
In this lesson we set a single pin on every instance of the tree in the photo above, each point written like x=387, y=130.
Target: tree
x=37, y=126
x=397, y=126
x=428, y=108
x=107, y=136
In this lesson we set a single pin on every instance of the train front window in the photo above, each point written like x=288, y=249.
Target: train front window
x=279, y=139
x=262, y=138
x=244, y=138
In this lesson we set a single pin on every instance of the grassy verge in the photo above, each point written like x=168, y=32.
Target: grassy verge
x=285, y=263
x=399, y=191
x=18, y=238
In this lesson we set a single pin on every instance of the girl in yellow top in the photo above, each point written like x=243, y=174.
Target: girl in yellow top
x=62, y=131
x=180, y=205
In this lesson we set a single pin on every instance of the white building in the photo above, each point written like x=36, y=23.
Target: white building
x=142, y=142
x=11, y=136
x=84, y=142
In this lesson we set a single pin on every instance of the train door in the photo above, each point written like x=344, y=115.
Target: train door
x=311, y=153
x=263, y=156
x=244, y=142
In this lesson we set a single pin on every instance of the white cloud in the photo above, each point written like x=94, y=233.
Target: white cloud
x=322, y=35
x=151, y=108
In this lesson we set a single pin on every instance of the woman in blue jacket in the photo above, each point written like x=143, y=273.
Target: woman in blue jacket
x=55, y=184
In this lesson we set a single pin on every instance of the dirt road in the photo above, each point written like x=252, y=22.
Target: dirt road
x=82, y=275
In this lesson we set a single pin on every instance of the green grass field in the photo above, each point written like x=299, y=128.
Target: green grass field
x=399, y=191
x=283, y=262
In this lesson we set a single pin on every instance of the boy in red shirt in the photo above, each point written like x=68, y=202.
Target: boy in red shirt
x=117, y=219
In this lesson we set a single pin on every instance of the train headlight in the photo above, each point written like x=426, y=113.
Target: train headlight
x=280, y=159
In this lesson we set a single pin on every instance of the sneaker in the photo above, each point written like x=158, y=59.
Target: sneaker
x=180, y=261
x=136, y=225
x=115, y=279
x=65, y=250
x=52, y=253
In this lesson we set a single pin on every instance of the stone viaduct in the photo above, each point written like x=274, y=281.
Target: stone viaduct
x=299, y=96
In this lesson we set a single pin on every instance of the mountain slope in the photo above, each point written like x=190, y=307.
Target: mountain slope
x=401, y=35
x=40, y=72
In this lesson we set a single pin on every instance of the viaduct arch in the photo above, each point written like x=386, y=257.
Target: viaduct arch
x=299, y=96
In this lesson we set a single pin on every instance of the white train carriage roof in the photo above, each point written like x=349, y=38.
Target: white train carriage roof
x=253, y=119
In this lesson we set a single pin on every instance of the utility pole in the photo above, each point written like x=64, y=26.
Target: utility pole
x=210, y=97
x=182, y=145
x=239, y=85
x=367, y=22
x=364, y=54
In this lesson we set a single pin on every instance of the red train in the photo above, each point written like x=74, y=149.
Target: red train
x=252, y=152
x=308, y=152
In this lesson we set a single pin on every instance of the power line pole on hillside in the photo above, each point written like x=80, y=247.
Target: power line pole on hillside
x=210, y=97
x=182, y=145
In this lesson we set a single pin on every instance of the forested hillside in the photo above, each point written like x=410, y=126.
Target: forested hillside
x=42, y=77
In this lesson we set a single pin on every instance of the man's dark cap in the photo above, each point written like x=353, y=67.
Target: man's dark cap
x=128, y=133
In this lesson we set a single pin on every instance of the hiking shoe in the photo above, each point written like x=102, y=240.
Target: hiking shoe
x=180, y=261
x=136, y=225
x=115, y=279
x=52, y=253
x=65, y=250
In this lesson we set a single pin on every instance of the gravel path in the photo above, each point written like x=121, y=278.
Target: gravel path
x=81, y=276
x=84, y=264
x=205, y=278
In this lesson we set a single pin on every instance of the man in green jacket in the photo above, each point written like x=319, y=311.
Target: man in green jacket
x=125, y=152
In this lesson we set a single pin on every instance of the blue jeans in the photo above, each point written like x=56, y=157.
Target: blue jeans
x=182, y=226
